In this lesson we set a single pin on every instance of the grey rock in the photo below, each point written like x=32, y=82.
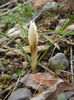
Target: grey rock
x=21, y=94
x=59, y=61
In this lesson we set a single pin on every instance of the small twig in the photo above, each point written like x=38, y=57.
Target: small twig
x=7, y=89
x=69, y=43
x=67, y=72
x=18, y=80
x=3, y=10
x=53, y=51
x=38, y=14
x=71, y=63
x=51, y=72
x=15, y=86
x=63, y=2
x=2, y=14
x=6, y=4
x=7, y=95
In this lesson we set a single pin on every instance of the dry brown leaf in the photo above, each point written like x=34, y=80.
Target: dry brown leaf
x=41, y=81
x=38, y=3
x=64, y=86
x=52, y=94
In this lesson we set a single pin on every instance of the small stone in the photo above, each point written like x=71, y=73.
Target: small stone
x=21, y=94
x=59, y=61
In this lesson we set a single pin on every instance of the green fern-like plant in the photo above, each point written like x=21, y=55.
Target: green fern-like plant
x=23, y=14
